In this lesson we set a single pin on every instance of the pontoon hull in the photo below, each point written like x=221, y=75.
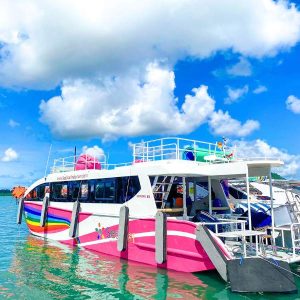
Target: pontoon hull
x=184, y=252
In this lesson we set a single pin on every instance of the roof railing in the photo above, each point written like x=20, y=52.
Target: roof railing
x=159, y=149
x=179, y=148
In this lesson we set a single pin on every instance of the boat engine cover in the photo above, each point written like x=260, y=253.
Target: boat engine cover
x=254, y=274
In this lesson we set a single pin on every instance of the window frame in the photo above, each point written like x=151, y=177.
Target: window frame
x=59, y=199
x=105, y=199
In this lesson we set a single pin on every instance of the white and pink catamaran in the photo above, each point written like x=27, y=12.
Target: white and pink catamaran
x=167, y=208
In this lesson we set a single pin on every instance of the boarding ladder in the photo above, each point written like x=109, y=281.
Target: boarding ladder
x=294, y=210
x=161, y=189
x=294, y=205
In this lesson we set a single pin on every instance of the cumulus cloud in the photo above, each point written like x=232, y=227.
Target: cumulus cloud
x=242, y=68
x=12, y=123
x=38, y=51
x=234, y=95
x=260, y=89
x=293, y=104
x=94, y=151
x=261, y=149
x=127, y=106
x=9, y=155
x=221, y=123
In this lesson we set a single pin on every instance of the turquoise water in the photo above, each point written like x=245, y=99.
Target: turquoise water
x=31, y=268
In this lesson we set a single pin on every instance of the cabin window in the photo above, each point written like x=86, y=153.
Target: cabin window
x=42, y=191
x=39, y=192
x=60, y=191
x=128, y=187
x=78, y=190
x=84, y=190
x=105, y=190
x=74, y=189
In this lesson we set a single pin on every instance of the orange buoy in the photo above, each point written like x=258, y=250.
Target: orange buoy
x=18, y=191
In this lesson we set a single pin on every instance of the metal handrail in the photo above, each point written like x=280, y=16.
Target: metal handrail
x=225, y=222
x=164, y=149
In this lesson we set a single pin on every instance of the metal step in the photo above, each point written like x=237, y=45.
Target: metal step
x=162, y=188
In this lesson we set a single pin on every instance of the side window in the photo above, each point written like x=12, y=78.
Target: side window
x=128, y=187
x=84, y=190
x=39, y=192
x=32, y=195
x=99, y=190
x=74, y=190
x=105, y=190
x=60, y=191
x=42, y=191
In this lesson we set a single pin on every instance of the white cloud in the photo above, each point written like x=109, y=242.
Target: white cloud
x=13, y=124
x=127, y=106
x=260, y=89
x=224, y=125
x=261, y=149
x=9, y=155
x=242, y=68
x=46, y=42
x=94, y=151
x=293, y=104
x=235, y=94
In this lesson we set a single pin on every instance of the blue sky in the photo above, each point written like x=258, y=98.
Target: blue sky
x=138, y=70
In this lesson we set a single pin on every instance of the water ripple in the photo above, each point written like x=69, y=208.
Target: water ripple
x=32, y=268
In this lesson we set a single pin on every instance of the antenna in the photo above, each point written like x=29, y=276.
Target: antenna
x=75, y=157
x=50, y=148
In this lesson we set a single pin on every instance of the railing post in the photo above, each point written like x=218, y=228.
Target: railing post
x=133, y=153
x=282, y=238
x=147, y=145
x=248, y=200
x=272, y=207
x=209, y=196
x=293, y=239
x=184, y=198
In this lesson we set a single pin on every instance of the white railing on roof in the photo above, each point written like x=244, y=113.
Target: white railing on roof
x=161, y=149
x=179, y=148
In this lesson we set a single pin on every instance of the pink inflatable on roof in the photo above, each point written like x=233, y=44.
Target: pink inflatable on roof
x=86, y=161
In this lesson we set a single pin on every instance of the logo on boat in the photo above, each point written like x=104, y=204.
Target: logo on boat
x=68, y=177
x=106, y=233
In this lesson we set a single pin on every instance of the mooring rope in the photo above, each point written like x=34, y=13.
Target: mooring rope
x=275, y=264
x=278, y=266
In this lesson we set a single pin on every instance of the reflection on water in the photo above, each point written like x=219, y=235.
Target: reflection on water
x=63, y=272
x=33, y=268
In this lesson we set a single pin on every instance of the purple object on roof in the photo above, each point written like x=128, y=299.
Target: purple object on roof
x=86, y=161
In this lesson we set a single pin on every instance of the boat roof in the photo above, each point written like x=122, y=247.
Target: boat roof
x=163, y=157
x=171, y=155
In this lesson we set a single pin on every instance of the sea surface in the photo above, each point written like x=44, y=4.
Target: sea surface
x=32, y=268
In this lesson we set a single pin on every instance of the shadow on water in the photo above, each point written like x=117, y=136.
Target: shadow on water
x=40, y=269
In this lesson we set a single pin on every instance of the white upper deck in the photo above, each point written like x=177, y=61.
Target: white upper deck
x=160, y=151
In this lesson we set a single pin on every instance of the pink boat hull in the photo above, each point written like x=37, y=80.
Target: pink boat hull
x=184, y=252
